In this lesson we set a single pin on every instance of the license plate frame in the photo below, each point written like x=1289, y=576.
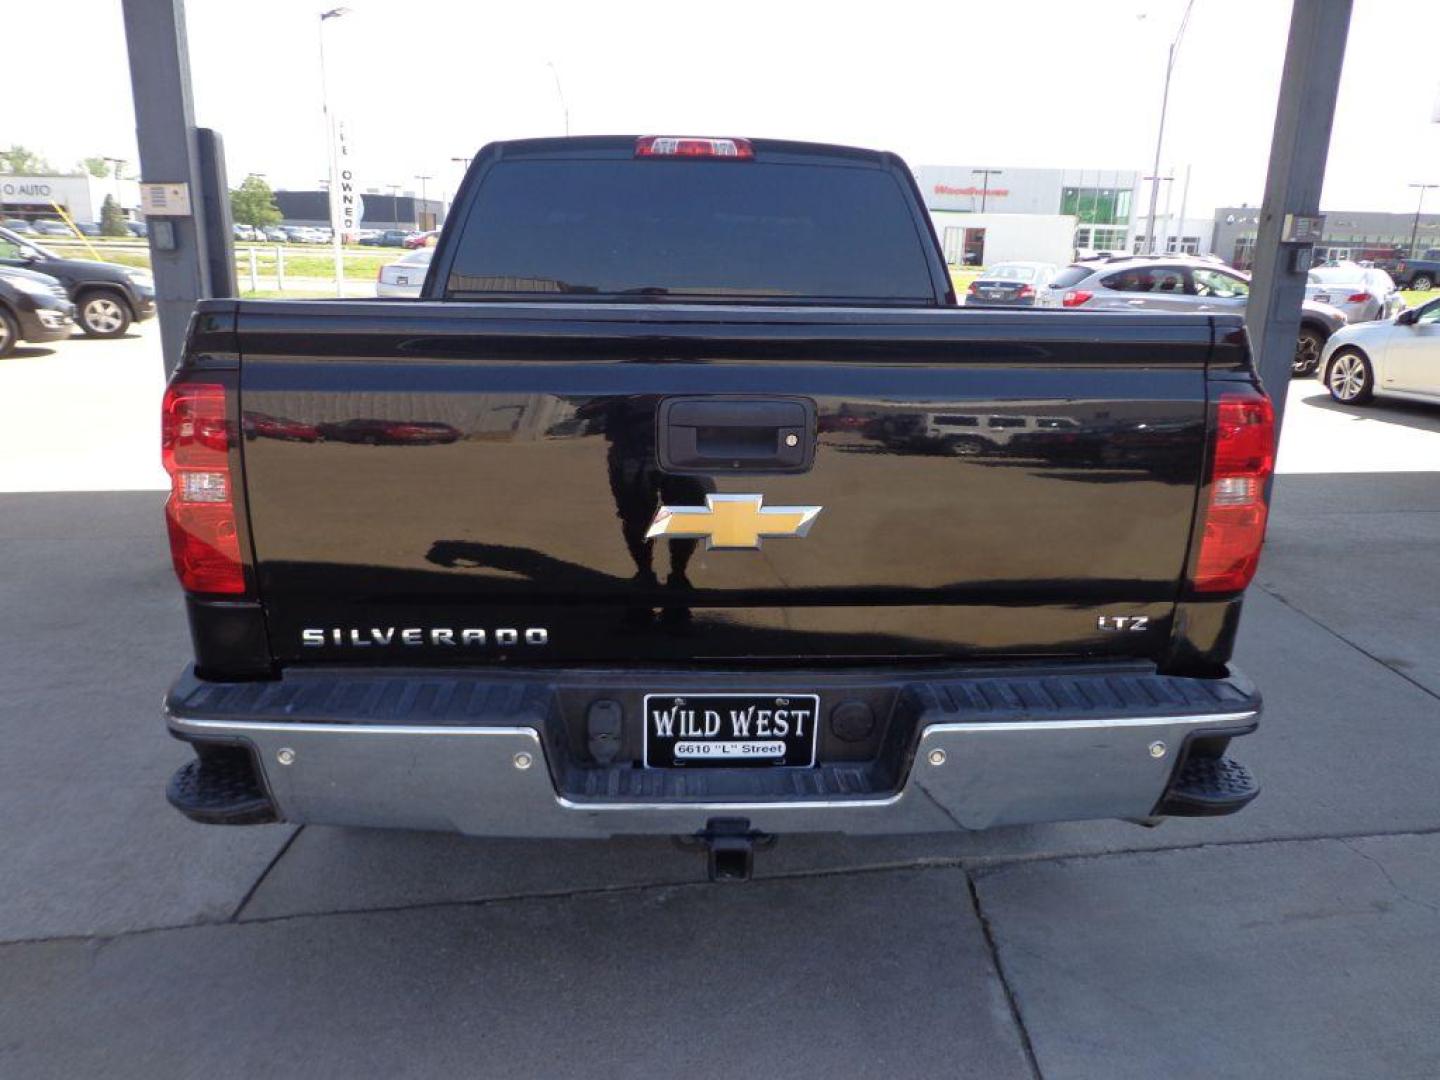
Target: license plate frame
x=690, y=723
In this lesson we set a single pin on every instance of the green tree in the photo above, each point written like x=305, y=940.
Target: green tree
x=112, y=219
x=23, y=162
x=97, y=167
x=253, y=203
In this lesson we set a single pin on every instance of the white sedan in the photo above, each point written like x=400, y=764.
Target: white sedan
x=403, y=277
x=1398, y=357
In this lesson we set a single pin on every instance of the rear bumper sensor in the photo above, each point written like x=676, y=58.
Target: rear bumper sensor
x=492, y=755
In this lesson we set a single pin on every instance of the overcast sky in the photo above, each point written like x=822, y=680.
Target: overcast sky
x=1060, y=83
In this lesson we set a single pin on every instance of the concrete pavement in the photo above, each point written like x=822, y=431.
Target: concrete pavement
x=1299, y=938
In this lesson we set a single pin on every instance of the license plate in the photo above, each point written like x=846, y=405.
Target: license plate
x=730, y=730
x=402, y=281
x=1322, y=298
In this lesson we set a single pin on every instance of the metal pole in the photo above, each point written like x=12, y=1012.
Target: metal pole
x=1415, y=228
x=985, y=175
x=1165, y=236
x=1303, y=116
x=279, y=268
x=1160, y=133
x=165, y=130
x=560, y=91
x=424, y=199
x=253, y=285
x=1150, y=225
x=1184, y=198
x=335, y=239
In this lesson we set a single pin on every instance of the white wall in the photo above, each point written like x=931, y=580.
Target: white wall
x=1172, y=229
x=80, y=196
x=1010, y=237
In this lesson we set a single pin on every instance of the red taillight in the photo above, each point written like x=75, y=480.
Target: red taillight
x=1234, y=524
x=1358, y=298
x=692, y=146
x=1075, y=297
x=972, y=289
x=200, y=513
x=1025, y=291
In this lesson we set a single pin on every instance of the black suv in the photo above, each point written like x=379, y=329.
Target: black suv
x=33, y=307
x=108, y=297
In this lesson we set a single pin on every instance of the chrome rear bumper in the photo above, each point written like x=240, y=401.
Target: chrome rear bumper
x=497, y=781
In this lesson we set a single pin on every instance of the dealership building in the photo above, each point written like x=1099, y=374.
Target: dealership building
x=33, y=197
x=1348, y=234
x=976, y=206
x=376, y=211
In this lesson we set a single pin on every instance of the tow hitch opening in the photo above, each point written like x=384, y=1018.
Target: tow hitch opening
x=729, y=845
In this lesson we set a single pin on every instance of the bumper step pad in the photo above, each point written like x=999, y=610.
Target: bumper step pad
x=1209, y=787
x=221, y=789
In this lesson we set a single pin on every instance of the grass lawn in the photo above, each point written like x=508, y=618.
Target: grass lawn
x=302, y=260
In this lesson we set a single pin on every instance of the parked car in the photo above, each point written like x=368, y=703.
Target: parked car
x=33, y=307
x=1420, y=274
x=276, y=235
x=1011, y=284
x=108, y=297
x=404, y=276
x=390, y=238
x=18, y=225
x=247, y=232
x=625, y=343
x=138, y=228
x=1181, y=283
x=1398, y=357
x=88, y=228
x=1362, y=293
x=376, y=431
x=50, y=227
x=422, y=239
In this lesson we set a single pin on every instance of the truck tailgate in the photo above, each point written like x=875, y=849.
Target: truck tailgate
x=987, y=484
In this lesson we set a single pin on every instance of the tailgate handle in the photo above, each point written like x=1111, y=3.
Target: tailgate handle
x=713, y=434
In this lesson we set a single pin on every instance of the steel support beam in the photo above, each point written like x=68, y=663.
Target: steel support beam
x=165, y=130
x=1306, y=109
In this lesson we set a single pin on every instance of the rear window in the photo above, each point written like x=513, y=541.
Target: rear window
x=693, y=229
x=1009, y=272
x=1071, y=275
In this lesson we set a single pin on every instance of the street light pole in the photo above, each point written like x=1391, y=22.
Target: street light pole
x=985, y=175
x=560, y=92
x=117, y=165
x=335, y=239
x=1415, y=228
x=1150, y=224
x=424, y=200
x=1160, y=134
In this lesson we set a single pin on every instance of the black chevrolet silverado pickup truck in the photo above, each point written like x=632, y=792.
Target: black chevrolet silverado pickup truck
x=685, y=501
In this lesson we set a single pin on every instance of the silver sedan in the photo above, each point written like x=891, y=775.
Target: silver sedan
x=1363, y=293
x=1397, y=357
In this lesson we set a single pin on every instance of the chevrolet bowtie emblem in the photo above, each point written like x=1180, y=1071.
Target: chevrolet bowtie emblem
x=732, y=521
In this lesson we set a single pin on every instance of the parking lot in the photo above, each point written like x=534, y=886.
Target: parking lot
x=1299, y=938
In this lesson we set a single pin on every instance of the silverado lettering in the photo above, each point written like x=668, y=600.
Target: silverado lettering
x=358, y=637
